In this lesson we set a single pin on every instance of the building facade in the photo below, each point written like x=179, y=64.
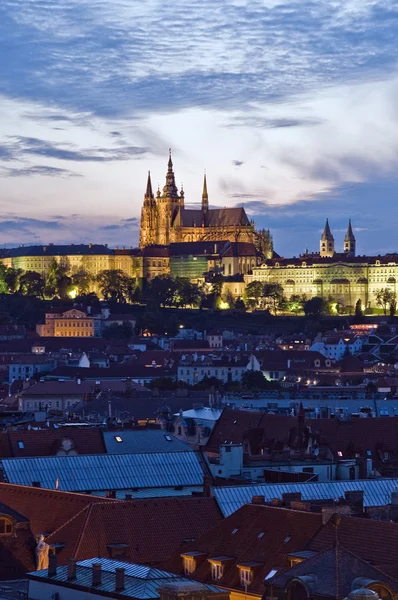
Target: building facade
x=71, y=323
x=164, y=219
x=343, y=276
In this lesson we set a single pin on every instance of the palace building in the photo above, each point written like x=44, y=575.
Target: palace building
x=343, y=276
x=165, y=220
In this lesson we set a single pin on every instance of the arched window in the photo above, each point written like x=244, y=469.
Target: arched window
x=6, y=526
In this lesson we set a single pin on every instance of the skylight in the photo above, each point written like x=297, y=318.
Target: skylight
x=287, y=539
x=234, y=531
x=168, y=438
x=271, y=574
x=21, y=445
x=118, y=438
x=260, y=535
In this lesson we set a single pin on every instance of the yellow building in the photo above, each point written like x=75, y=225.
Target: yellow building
x=343, y=276
x=71, y=323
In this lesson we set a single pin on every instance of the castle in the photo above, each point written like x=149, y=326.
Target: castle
x=165, y=220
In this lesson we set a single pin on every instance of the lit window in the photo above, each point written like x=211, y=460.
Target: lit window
x=217, y=571
x=6, y=527
x=271, y=574
x=246, y=577
x=339, y=453
x=118, y=438
x=168, y=438
x=189, y=565
x=21, y=445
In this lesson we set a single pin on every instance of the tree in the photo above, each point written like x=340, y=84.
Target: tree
x=240, y=305
x=115, y=331
x=216, y=285
x=385, y=298
x=32, y=283
x=296, y=303
x=57, y=281
x=254, y=380
x=11, y=279
x=358, y=317
x=273, y=294
x=315, y=307
x=114, y=285
x=253, y=293
x=187, y=293
x=164, y=290
x=82, y=281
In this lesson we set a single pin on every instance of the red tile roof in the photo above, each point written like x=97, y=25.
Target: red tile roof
x=47, y=510
x=259, y=534
x=152, y=528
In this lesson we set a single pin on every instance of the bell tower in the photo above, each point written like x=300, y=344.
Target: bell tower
x=349, y=241
x=327, y=242
x=168, y=205
x=148, y=217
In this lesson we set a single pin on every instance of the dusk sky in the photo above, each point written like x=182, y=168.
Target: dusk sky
x=290, y=107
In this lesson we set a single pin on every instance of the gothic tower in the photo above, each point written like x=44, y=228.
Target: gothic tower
x=148, y=217
x=327, y=241
x=167, y=204
x=205, y=197
x=349, y=241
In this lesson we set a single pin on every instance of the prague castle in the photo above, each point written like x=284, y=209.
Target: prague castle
x=343, y=276
x=165, y=220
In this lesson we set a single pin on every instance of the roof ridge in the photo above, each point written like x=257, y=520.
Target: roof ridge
x=70, y=520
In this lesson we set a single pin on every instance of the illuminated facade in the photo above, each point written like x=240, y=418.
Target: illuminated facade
x=165, y=220
x=343, y=276
x=71, y=323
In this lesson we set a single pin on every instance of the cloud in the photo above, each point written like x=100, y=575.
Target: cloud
x=238, y=163
x=37, y=170
x=20, y=146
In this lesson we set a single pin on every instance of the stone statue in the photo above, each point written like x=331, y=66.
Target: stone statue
x=42, y=554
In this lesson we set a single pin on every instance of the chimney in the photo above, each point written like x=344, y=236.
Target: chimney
x=119, y=585
x=97, y=574
x=71, y=569
x=52, y=565
x=258, y=499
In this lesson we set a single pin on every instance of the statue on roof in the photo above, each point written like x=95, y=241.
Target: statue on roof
x=42, y=554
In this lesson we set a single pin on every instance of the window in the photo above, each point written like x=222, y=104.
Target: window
x=246, y=577
x=271, y=574
x=189, y=565
x=118, y=439
x=21, y=445
x=217, y=571
x=234, y=531
x=6, y=526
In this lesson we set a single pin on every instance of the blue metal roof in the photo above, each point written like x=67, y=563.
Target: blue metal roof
x=140, y=582
x=377, y=492
x=107, y=471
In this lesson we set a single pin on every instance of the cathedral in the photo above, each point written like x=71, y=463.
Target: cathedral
x=165, y=220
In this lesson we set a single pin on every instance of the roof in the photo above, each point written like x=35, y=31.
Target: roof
x=239, y=249
x=58, y=250
x=139, y=582
x=46, y=510
x=147, y=440
x=377, y=492
x=47, y=442
x=197, y=248
x=153, y=529
x=205, y=413
x=74, y=388
x=239, y=536
x=323, y=567
x=216, y=217
x=107, y=471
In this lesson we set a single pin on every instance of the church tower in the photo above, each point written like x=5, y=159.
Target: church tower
x=349, y=241
x=327, y=242
x=205, y=197
x=148, y=217
x=168, y=205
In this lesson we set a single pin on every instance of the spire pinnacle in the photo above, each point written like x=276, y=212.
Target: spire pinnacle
x=327, y=234
x=205, y=196
x=170, y=189
x=170, y=163
x=149, y=193
x=350, y=234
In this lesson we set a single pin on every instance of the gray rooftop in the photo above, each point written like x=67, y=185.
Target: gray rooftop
x=140, y=581
x=202, y=414
x=150, y=440
x=107, y=471
x=377, y=492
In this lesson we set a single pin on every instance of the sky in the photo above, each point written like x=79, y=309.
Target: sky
x=290, y=107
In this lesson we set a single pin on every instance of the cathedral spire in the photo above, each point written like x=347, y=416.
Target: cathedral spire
x=205, y=196
x=170, y=189
x=149, y=193
x=349, y=240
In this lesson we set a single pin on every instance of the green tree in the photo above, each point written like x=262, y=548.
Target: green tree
x=114, y=285
x=254, y=380
x=385, y=298
x=32, y=283
x=296, y=303
x=253, y=293
x=358, y=316
x=11, y=279
x=315, y=307
x=57, y=281
x=187, y=293
x=240, y=305
x=82, y=281
x=273, y=295
x=163, y=291
x=216, y=285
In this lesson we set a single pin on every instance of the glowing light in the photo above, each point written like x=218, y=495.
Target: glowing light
x=223, y=305
x=73, y=293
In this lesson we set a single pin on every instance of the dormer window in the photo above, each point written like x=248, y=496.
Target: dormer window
x=246, y=576
x=6, y=526
x=217, y=571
